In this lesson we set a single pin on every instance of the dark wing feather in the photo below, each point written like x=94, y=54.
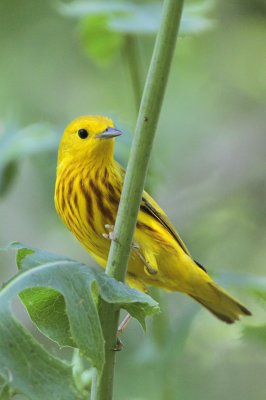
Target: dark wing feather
x=149, y=206
x=154, y=211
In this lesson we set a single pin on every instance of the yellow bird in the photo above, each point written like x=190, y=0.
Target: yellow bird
x=87, y=193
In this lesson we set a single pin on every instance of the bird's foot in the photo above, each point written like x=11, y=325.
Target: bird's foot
x=135, y=247
x=123, y=324
x=150, y=270
x=119, y=345
x=109, y=235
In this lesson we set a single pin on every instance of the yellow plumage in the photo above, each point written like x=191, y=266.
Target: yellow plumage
x=87, y=194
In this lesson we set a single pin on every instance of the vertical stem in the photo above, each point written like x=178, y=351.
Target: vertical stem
x=132, y=55
x=109, y=316
x=143, y=138
x=135, y=177
x=94, y=382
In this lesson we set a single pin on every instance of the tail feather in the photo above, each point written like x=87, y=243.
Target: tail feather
x=219, y=302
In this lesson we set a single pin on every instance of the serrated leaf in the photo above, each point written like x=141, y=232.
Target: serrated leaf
x=36, y=257
x=61, y=297
x=47, y=310
x=112, y=291
x=26, y=368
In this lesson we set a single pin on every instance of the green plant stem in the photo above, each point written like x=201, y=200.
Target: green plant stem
x=109, y=316
x=135, y=177
x=143, y=139
x=93, y=395
x=132, y=55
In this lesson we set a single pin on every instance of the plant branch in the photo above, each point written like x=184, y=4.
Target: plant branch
x=93, y=395
x=135, y=177
x=132, y=54
x=143, y=139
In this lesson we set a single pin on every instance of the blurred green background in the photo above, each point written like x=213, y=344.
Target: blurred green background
x=207, y=170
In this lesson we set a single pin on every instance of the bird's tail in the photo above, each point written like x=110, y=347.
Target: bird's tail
x=219, y=302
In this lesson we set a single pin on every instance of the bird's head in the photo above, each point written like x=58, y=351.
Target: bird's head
x=88, y=137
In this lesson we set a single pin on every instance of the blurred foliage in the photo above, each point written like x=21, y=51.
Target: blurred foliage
x=207, y=169
x=137, y=19
x=16, y=145
x=105, y=44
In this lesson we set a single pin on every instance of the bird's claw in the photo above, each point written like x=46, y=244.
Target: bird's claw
x=110, y=235
x=150, y=270
x=109, y=226
x=119, y=345
x=135, y=246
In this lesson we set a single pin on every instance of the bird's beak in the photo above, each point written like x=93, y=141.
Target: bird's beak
x=109, y=133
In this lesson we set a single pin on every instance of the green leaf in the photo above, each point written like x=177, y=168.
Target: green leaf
x=16, y=144
x=132, y=18
x=61, y=297
x=26, y=368
x=257, y=333
x=99, y=42
x=81, y=8
x=5, y=390
x=146, y=19
x=256, y=287
x=252, y=283
x=47, y=310
x=8, y=173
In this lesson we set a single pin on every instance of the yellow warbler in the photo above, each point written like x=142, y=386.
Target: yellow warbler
x=88, y=189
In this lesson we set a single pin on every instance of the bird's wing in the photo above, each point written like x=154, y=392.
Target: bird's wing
x=149, y=206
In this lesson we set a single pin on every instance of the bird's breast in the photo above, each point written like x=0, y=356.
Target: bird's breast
x=87, y=201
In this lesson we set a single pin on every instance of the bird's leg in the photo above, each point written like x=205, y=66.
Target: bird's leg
x=119, y=344
x=121, y=328
x=123, y=324
x=110, y=235
x=135, y=247
x=149, y=268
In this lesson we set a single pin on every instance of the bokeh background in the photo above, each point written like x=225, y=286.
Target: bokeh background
x=207, y=171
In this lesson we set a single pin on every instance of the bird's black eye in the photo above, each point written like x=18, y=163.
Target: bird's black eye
x=83, y=133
